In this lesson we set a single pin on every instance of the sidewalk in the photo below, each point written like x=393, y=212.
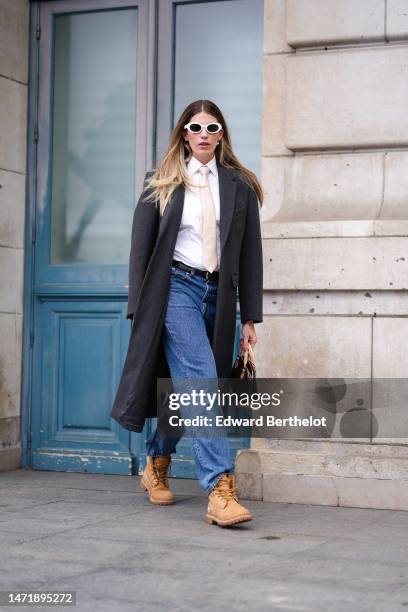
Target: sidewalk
x=99, y=536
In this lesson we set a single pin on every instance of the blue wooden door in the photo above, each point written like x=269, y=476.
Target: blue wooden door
x=107, y=81
x=89, y=105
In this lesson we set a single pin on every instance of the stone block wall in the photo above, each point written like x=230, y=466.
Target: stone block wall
x=335, y=228
x=14, y=35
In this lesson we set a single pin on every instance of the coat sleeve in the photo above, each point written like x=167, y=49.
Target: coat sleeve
x=145, y=228
x=250, y=287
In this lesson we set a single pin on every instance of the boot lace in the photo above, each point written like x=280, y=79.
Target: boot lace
x=161, y=474
x=224, y=490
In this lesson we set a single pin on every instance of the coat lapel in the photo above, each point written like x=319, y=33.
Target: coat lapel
x=174, y=209
x=228, y=186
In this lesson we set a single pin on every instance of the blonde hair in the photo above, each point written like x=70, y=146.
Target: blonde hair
x=172, y=170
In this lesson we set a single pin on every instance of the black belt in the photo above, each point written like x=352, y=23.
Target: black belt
x=204, y=273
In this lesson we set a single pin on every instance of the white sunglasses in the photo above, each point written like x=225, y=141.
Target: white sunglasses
x=196, y=128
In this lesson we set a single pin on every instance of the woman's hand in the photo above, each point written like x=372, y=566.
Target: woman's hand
x=248, y=335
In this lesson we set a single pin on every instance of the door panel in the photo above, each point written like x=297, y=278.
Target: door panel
x=213, y=49
x=92, y=155
x=78, y=365
x=227, y=71
x=92, y=147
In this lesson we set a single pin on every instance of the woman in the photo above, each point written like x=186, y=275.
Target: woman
x=195, y=239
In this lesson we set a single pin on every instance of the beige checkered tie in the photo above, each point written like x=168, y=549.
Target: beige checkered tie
x=209, y=224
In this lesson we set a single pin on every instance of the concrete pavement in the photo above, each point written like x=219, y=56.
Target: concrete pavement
x=99, y=535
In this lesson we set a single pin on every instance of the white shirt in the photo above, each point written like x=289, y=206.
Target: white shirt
x=189, y=244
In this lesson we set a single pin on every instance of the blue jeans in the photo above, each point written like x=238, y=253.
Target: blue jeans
x=187, y=335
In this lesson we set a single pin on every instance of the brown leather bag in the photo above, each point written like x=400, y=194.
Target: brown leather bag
x=244, y=364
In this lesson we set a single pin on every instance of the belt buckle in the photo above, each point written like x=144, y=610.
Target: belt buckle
x=207, y=273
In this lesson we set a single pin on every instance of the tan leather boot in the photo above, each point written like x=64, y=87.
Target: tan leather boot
x=223, y=506
x=154, y=480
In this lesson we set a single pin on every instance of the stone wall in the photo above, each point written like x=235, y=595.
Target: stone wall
x=335, y=227
x=14, y=34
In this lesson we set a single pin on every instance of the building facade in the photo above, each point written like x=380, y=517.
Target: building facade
x=332, y=155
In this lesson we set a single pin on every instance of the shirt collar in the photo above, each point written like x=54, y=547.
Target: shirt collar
x=194, y=164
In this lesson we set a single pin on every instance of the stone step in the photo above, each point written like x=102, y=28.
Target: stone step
x=351, y=479
x=336, y=491
x=323, y=464
x=397, y=449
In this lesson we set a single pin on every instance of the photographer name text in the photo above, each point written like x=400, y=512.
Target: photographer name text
x=260, y=421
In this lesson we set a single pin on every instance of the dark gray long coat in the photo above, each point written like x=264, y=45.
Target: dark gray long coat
x=152, y=247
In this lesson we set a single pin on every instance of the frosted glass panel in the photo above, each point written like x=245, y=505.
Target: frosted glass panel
x=94, y=107
x=219, y=57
